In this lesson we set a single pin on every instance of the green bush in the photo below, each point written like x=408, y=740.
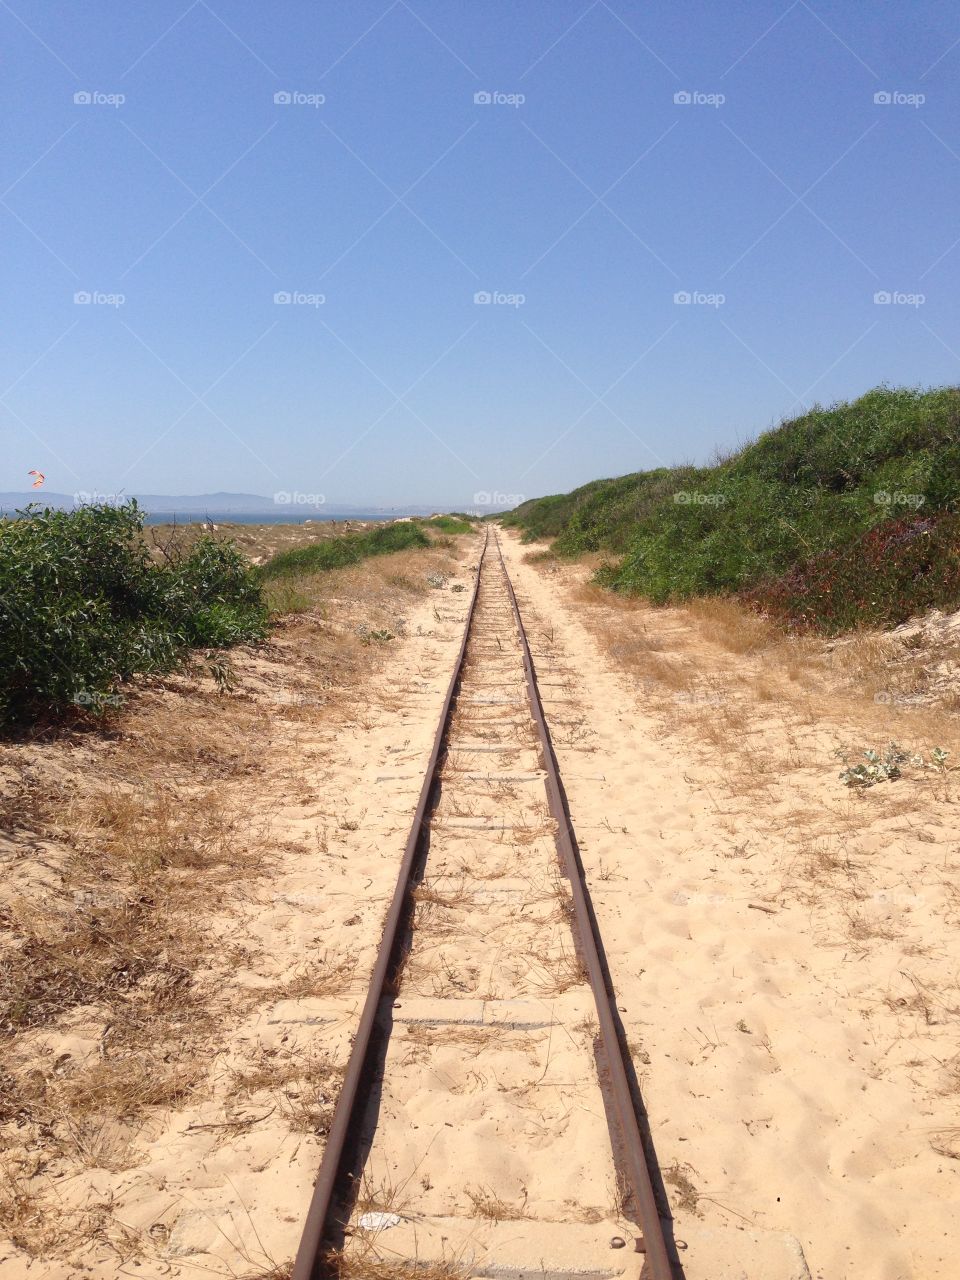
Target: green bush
x=815, y=484
x=334, y=553
x=455, y=523
x=83, y=606
x=900, y=568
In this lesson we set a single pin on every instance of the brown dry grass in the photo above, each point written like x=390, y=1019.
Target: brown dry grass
x=302, y=1083
x=487, y=1204
x=363, y=1261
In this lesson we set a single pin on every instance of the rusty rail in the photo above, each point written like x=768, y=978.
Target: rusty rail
x=653, y=1243
x=330, y=1205
x=323, y=1229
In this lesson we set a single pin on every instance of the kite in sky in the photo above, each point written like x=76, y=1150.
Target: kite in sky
x=39, y=478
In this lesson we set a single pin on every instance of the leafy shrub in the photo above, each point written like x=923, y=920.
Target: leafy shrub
x=83, y=606
x=900, y=568
x=334, y=553
x=448, y=524
x=884, y=766
x=803, y=498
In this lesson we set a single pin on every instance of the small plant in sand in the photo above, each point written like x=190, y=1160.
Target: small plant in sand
x=885, y=766
x=371, y=635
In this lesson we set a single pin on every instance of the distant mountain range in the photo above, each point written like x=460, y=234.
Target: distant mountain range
x=214, y=504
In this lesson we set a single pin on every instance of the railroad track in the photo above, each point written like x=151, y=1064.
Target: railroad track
x=489, y=1118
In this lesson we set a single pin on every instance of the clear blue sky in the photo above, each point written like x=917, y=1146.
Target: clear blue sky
x=597, y=198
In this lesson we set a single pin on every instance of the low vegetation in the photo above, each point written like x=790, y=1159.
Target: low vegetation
x=842, y=516
x=455, y=523
x=86, y=602
x=335, y=553
x=84, y=606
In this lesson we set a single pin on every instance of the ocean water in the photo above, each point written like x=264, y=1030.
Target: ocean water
x=288, y=516
x=258, y=517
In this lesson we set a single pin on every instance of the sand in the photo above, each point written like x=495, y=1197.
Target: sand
x=783, y=953
x=796, y=1077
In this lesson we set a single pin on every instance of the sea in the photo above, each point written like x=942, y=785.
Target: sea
x=248, y=517
x=258, y=517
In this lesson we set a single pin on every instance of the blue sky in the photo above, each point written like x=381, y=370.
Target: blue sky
x=582, y=197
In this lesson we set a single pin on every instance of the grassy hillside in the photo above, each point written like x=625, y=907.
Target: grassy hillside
x=843, y=515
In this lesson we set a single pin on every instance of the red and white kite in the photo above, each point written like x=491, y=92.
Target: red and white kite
x=38, y=480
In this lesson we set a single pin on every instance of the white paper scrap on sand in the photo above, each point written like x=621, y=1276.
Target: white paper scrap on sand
x=379, y=1221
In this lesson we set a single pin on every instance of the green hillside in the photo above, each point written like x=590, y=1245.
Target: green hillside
x=841, y=516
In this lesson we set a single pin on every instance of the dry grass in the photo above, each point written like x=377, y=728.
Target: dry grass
x=364, y=1261
x=330, y=975
x=687, y=1196
x=552, y=975
x=487, y=1204
x=119, y=953
x=303, y=1083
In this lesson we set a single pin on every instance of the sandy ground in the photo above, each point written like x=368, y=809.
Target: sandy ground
x=782, y=947
x=785, y=950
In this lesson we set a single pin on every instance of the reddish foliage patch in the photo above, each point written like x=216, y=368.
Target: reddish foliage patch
x=899, y=568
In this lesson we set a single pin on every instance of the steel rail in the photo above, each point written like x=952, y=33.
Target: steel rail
x=327, y=1216
x=653, y=1244
x=321, y=1233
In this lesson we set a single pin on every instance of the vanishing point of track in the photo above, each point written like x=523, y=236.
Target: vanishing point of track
x=476, y=833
